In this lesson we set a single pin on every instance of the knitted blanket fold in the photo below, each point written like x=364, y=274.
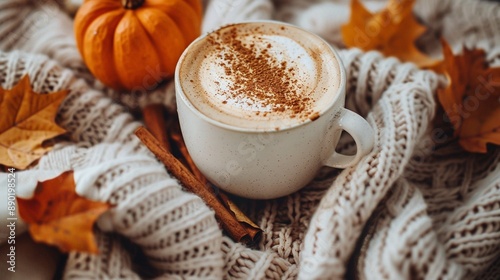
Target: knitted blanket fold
x=411, y=209
x=111, y=165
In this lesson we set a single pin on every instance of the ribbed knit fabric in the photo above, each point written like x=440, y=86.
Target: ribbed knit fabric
x=175, y=230
x=411, y=209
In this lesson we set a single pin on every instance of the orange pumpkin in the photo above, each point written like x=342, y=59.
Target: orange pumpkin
x=134, y=44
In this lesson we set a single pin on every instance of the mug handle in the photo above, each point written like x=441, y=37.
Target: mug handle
x=363, y=136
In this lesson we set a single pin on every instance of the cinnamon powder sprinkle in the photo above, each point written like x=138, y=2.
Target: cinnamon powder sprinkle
x=314, y=116
x=257, y=76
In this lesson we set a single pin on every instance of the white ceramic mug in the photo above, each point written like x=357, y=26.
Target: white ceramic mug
x=276, y=162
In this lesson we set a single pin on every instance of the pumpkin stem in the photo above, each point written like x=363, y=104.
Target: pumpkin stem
x=132, y=4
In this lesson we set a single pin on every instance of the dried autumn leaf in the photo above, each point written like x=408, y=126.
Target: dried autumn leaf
x=472, y=98
x=252, y=229
x=392, y=31
x=27, y=121
x=58, y=216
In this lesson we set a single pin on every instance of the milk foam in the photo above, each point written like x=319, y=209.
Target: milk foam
x=238, y=83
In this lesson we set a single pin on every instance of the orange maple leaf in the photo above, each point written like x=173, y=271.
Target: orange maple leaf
x=27, y=121
x=392, y=31
x=58, y=216
x=472, y=98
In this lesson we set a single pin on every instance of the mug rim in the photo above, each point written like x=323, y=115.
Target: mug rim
x=179, y=92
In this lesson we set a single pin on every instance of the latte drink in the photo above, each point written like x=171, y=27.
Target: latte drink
x=260, y=76
x=261, y=108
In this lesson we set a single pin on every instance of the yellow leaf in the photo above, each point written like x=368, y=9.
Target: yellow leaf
x=27, y=121
x=392, y=31
x=58, y=216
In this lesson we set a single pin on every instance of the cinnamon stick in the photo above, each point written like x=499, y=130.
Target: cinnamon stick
x=176, y=136
x=156, y=124
x=252, y=229
x=186, y=178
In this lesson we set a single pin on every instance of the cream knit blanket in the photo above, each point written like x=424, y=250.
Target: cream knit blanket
x=411, y=209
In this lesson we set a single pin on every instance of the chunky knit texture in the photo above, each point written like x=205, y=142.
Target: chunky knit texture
x=413, y=208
